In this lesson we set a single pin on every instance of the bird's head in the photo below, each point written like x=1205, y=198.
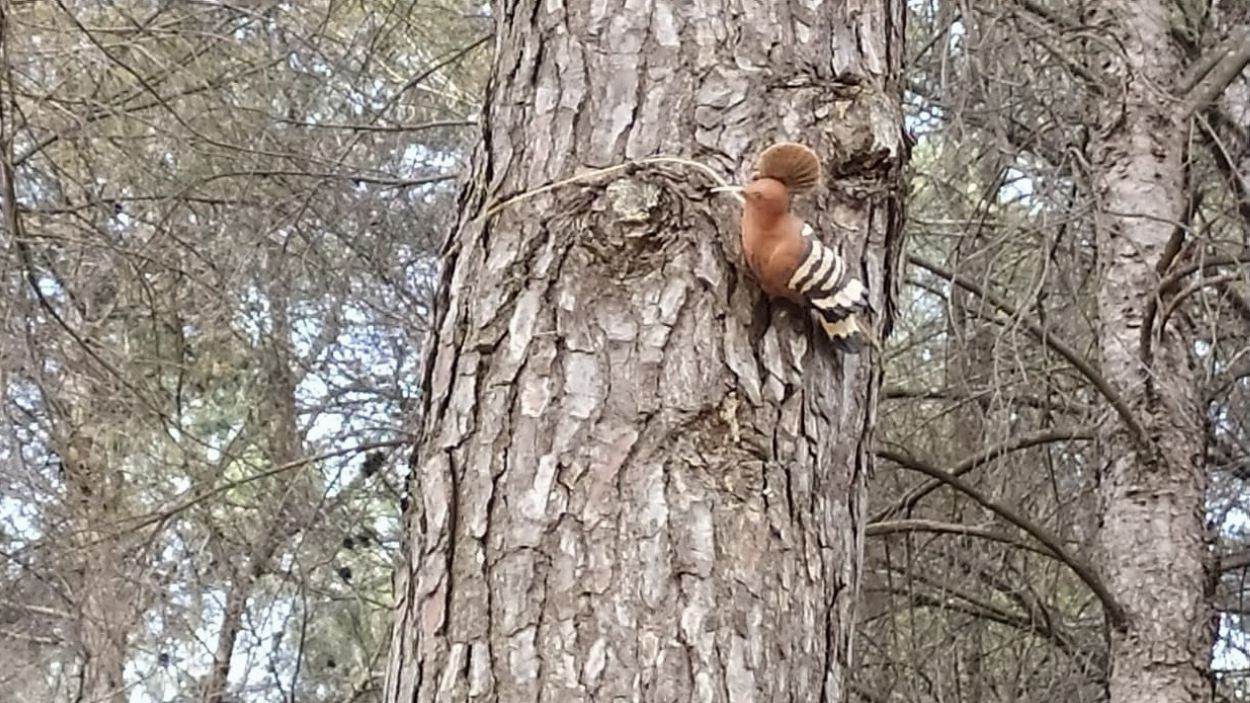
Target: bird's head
x=767, y=196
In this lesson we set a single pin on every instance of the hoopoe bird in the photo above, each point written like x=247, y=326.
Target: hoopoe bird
x=785, y=255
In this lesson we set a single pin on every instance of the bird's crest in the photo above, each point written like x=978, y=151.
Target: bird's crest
x=793, y=164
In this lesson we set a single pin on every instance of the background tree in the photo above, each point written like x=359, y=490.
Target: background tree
x=1044, y=217
x=220, y=229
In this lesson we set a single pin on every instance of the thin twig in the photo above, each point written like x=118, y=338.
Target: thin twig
x=705, y=169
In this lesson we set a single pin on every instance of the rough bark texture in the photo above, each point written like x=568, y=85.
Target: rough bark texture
x=638, y=480
x=1152, y=487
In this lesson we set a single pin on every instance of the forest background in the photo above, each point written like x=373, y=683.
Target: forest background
x=222, y=227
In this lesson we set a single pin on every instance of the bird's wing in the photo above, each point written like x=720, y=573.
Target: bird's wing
x=825, y=280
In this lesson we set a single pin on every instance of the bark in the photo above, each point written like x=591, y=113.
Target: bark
x=637, y=479
x=1152, y=486
x=227, y=636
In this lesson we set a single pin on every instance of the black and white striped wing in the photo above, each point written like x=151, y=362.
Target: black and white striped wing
x=827, y=282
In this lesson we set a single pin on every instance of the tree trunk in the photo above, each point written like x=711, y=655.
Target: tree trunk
x=637, y=479
x=105, y=595
x=104, y=590
x=1153, y=484
x=281, y=412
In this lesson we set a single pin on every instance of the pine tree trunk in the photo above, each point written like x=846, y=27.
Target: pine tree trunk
x=1153, y=483
x=638, y=480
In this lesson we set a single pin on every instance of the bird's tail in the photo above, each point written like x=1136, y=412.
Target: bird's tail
x=795, y=165
x=839, y=315
x=845, y=335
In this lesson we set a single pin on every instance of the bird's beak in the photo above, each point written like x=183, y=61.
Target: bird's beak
x=728, y=189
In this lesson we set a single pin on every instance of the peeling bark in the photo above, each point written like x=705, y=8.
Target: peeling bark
x=1152, y=486
x=637, y=479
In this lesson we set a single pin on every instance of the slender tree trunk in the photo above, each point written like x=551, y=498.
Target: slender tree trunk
x=104, y=589
x=1152, y=485
x=637, y=480
x=285, y=445
x=101, y=582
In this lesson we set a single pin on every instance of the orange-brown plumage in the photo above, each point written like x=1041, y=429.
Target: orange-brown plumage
x=772, y=238
x=793, y=164
x=788, y=260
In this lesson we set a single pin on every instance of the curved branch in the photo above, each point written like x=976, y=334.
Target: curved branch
x=980, y=458
x=1048, y=338
x=1060, y=21
x=1114, y=611
x=953, y=598
x=891, y=527
x=1174, y=277
x=1036, y=618
x=1196, y=287
x=1025, y=401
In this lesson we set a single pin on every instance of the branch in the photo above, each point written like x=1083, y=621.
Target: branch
x=1232, y=562
x=890, y=527
x=1166, y=284
x=1114, y=611
x=388, y=182
x=36, y=609
x=1202, y=65
x=954, y=601
x=1196, y=287
x=1170, y=251
x=1238, y=369
x=1060, y=21
x=1232, y=56
x=1049, y=339
x=32, y=639
x=984, y=456
x=1024, y=401
x=138, y=522
x=400, y=128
